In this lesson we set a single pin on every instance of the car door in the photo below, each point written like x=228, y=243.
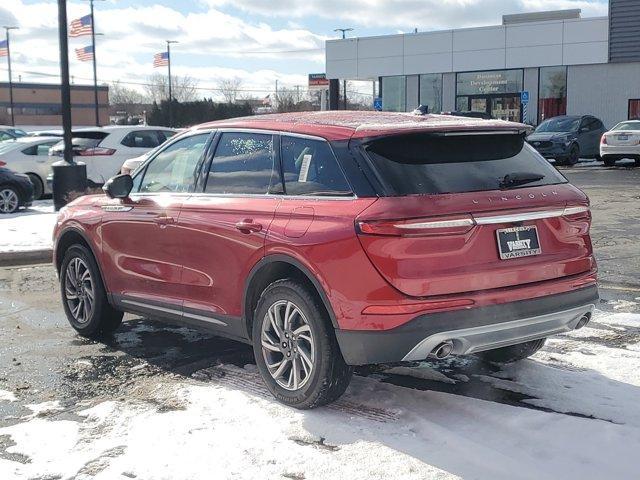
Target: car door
x=223, y=228
x=141, y=244
x=589, y=138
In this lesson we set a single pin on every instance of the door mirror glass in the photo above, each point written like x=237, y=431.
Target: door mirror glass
x=119, y=186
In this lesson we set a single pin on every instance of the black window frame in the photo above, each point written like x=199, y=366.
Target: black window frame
x=629, y=108
x=132, y=132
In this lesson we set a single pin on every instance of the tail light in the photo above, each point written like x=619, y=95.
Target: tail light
x=578, y=212
x=92, y=152
x=603, y=140
x=417, y=226
x=2, y=164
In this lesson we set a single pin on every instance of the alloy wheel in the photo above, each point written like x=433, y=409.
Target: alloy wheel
x=288, y=345
x=8, y=200
x=79, y=290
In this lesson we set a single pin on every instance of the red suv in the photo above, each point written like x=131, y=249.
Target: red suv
x=334, y=239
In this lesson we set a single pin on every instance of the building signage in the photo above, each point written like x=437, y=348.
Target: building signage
x=377, y=103
x=487, y=83
x=318, y=81
x=524, y=97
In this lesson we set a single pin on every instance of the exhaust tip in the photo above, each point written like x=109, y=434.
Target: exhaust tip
x=583, y=321
x=442, y=350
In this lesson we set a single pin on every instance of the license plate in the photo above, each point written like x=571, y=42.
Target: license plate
x=518, y=242
x=623, y=137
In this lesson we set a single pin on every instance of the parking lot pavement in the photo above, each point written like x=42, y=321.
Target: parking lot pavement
x=158, y=401
x=615, y=201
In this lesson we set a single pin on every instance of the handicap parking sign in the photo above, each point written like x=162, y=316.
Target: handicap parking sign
x=377, y=103
x=524, y=97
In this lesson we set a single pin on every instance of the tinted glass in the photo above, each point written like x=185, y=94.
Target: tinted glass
x=627, y=126
x=425, y=164
x=553, y=92
x=559, y=124
x=310, y=168
x=431, y=92
x=142, y=139
x=32, y=150
x=394, y=93
x=174, y=169
x=481, y=83
x=5, y=136
x=243, y=163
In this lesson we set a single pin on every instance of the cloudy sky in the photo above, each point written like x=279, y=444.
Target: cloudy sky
x=258, y=41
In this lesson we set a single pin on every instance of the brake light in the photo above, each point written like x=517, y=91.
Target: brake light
x=92, y=152
x=2, y=164
x=603, y=140
x=417, y=226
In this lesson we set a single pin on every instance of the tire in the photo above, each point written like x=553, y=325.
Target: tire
x=609, y=162
x=512, y=353
x=560, y=161
x=636, y=161
x=574, y=155
x=323, y=375
x=99, y=318
x=38, y=186
x=9, y=199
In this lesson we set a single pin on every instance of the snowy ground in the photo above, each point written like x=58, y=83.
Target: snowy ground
x=29, y=229
x=159, y=402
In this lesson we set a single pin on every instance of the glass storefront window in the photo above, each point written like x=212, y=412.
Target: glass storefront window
x=489, y=83
x=552, y=92
x=394, y=93
x=431, y=92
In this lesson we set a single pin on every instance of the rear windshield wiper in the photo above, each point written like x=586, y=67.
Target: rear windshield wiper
x=516, y=179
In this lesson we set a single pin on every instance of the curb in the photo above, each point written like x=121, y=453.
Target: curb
x=30, y=257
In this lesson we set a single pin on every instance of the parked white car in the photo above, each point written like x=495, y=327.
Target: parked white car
x=622, y=141
x=30, y=155
x=129, y=166
x=105, y=149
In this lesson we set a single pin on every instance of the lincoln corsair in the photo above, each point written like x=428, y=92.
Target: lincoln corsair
x=328, y=240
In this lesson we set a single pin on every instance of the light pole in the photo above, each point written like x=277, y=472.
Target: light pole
x=95, y=74
x=169, y=42
x=344, y=81
x=7, y=30
x=68, y=176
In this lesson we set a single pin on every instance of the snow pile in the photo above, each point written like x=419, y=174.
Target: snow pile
x=28, y=230
x=6, y=396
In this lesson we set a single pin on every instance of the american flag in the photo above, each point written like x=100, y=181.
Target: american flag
x=161, y=59
x=85, y=54
x=4, y=48
x=81, y=26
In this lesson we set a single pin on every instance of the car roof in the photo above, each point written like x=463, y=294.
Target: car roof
x=116, y=128
x=38, y=139
x=344, y=124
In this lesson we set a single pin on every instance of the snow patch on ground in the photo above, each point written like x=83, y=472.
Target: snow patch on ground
x=29, y=229
x=6, y=396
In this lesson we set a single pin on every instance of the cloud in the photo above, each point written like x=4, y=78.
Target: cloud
x=423, y=14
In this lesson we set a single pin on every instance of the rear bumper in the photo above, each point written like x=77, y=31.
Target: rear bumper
x=553, y=151
x=620, y=151
x=472, y=330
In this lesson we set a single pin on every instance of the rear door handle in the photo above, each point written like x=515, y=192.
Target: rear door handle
x=248, y=226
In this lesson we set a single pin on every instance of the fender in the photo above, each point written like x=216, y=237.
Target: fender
x=300, y=266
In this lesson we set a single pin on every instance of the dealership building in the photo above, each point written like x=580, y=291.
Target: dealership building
x=563, y=62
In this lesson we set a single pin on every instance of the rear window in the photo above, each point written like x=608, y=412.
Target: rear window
x=417, y=164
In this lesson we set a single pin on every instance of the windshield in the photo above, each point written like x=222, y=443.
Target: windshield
x=627, y=126
x=414, y=164
x=559, y=124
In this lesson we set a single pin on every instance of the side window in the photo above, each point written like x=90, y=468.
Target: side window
x=141, y=139
x=5, y=136
x=164, y=135
x=590, y=123
x=43, y=149
x=310, y=168
x=32, y=150
x=174, y=169
x=243, y=163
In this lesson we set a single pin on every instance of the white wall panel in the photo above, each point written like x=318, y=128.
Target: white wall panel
x=427, y=43
x=478, y=60
x=369, y=68
x=588, y=30
x=478, y=38
x=432, y=63
x=545, y=55
x=380, y=46
x=524, y=35
x=585, y=53
x=342, y=69
x=341, y=49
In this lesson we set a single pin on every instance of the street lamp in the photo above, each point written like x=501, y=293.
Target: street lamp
x=7, y=29
x=344, y=81
x=169, y=42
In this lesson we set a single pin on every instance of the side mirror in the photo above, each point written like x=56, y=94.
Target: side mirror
x=119, y=186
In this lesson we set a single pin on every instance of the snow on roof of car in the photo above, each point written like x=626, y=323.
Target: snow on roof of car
x=337, y=125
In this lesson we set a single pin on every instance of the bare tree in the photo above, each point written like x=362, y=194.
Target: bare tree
x=229, y=88
x=119, y=94
x=183, y=89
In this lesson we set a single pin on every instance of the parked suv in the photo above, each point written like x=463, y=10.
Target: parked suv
x=568, y=138
x=334, y=239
